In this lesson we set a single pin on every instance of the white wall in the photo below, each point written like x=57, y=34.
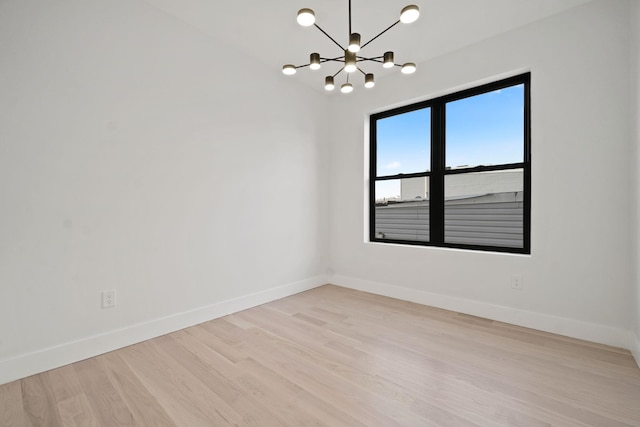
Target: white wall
x=141, y=156
x=579, y=277
x=635, y=81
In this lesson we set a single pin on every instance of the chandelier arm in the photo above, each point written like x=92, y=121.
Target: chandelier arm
x=330, y=38
x=338, y=72
x=336, y=59
x=363, y=73
x=374, y=59
x=381, y=33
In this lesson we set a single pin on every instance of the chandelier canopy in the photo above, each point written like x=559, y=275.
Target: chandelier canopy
x=349, y=60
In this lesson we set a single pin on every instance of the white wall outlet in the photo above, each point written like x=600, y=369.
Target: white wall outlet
x=516, y=283
x=109, y=298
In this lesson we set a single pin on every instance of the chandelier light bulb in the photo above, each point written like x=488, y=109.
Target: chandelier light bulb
x=314, y=61
x=408, y=68
x=409, y=14
x=306, y=17
x=354, y=42
x=328, y=83
x=387, y=61
x=346, y=88
x=289, y=69
x=368, y=81
x=349, y=61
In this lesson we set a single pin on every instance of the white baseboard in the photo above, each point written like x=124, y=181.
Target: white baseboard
x=602, y=334
x=49, y=358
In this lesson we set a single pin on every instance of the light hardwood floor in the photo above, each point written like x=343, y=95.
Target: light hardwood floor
x=338, y=357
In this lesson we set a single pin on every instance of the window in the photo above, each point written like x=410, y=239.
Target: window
x=454, y=171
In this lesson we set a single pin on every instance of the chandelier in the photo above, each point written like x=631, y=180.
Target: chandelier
x=349, y=60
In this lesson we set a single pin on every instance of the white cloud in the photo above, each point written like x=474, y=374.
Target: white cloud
x=393, y=165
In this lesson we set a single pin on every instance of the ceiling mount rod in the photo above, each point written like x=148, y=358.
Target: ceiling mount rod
x=349, y=18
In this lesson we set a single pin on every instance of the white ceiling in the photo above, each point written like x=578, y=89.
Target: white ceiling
x=267, y=30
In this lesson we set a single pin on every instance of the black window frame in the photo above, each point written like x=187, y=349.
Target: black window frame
x=439, y=171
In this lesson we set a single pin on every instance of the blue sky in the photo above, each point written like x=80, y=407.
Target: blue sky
x=485, y=129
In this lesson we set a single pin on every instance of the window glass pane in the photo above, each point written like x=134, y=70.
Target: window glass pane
x=486, y=129
x=485, y=208
x=404, y=143
x=402, y=209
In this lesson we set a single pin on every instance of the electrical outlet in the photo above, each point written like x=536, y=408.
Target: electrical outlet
x=516, y=283
x=109, y=298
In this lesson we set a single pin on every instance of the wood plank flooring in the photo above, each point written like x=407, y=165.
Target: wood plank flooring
x=338, y=357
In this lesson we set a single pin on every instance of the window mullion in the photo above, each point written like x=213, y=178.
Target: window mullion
x=436, y=181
